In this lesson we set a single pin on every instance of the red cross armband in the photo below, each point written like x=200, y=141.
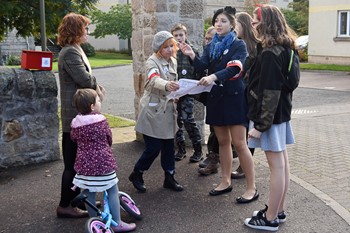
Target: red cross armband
x=153, y=73
x=235, y=63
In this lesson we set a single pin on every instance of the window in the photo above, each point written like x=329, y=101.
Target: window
x=344, y=23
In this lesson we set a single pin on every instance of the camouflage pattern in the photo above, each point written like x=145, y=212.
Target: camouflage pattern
x=185, y=119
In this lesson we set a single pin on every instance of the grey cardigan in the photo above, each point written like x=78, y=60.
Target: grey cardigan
x=73, y=74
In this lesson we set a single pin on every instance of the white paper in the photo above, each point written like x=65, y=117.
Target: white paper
x=189, y=87
x=45, y=62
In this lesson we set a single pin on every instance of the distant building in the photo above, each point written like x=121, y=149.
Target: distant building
x=13, y=45
x=329, y=32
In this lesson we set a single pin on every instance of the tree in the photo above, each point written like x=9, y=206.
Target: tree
x=298, y=17
x=117, y=21
x=24, y=15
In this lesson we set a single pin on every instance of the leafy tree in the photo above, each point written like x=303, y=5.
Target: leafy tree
x=297, y=14
x=24, y=15
x=117, y=21
x=298, y=17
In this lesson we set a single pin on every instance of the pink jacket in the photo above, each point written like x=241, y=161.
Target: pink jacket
x=94, y=139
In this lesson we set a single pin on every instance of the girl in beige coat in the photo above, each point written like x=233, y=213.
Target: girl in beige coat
x=157, y=118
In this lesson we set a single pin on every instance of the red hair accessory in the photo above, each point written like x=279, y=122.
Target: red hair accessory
x=259, y=11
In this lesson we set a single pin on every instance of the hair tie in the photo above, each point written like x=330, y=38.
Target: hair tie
x=259, y=11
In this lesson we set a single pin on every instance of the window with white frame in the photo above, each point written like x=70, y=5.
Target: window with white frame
x=344, y=23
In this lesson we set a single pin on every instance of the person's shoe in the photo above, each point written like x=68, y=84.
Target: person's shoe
x=242, y=200
x=204, y=163
x=171, y=183
x=237, y=175
x=124, y=227
x=70, y=212
x=214, y=192
x=281, y=216
x=137, y=180
x=212, y=166
x=82, y=206
x=261, y=223
x=181, y=153
x=197, y=155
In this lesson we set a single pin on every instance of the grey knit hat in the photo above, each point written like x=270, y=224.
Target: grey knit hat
x=159, y=39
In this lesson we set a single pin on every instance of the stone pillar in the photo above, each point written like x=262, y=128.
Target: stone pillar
x=28, y=117
x=152, y=16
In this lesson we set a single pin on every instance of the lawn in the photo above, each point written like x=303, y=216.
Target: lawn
x=105, y=59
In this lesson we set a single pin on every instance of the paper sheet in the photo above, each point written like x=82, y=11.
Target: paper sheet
x=189, y=86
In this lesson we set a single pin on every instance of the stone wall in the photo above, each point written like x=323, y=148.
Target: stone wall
x=28, y=117
x=13, y=45
x=152, y=16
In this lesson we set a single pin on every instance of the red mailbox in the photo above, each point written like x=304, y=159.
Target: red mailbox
x=36, y=60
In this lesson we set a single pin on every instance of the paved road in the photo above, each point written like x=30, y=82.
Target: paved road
x=318, y=198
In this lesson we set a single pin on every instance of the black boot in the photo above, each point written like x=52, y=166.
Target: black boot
x=137, y=180
x=171, y=183
x=197, y=155
x=181, y=154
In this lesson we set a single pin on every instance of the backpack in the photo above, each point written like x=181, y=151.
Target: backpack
x=293, y=72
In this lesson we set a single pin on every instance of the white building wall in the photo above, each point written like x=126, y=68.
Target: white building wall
x=324, y=45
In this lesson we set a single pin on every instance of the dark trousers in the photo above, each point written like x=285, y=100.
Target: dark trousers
x=212, y=144
x=153, y=147
x=69, y=151
x=185, y=119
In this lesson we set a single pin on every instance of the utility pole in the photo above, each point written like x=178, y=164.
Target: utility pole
x=42, y=25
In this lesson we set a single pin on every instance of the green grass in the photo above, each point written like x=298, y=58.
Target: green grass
x=330, y=67
x=117, y=122
x=113, y=121
x=104, y=59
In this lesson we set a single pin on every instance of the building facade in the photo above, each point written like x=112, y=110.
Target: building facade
x=329, y=32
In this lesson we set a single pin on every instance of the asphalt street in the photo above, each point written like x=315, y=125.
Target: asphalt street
x=319, y=194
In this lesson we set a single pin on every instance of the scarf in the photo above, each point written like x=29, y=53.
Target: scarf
x=220, y=43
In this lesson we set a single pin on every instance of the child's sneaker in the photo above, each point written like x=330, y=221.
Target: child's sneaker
x=124, y=227
x=281, y=216
x=260, y=222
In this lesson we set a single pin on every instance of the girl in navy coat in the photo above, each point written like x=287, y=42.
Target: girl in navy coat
x=226, y=107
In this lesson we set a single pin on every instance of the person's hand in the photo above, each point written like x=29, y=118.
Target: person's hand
x=253, y=133
x=172, y=86
x=187, y=50
x=206, y=81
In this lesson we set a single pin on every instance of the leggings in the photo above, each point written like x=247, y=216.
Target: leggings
x=113, y=202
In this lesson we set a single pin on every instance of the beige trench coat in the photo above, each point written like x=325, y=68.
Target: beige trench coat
x=158, y=115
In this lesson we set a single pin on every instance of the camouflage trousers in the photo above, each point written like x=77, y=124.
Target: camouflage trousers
x=185, y=119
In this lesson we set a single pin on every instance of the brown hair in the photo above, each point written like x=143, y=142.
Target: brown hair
x=249, y=32
x=83, y=99
x=71, y=29
x=273, y=28
x=179, y=26
x=168, y=42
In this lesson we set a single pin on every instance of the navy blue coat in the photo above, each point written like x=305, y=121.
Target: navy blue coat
x=225, y=103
